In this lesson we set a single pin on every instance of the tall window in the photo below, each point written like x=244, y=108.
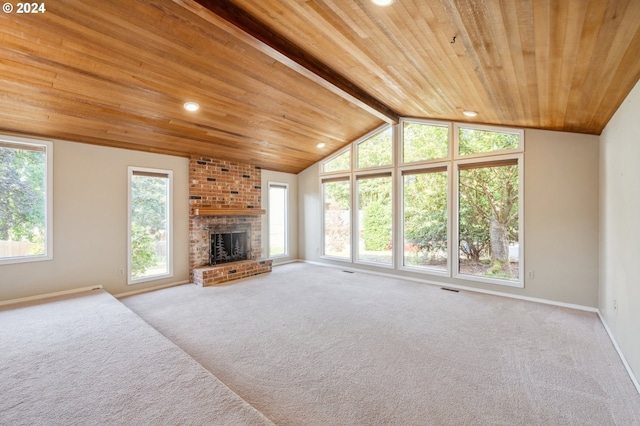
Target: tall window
x=278, y=194
x=488, y=219
x=150, y=231
x=337, y=217
x=426, y=212
x=425, y=199
x=488, y=193
x=25, y=200
x=375, y=218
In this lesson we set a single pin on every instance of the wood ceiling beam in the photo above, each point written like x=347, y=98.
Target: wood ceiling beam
x=234, y=20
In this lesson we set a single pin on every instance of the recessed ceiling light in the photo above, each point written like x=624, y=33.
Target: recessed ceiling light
x=470, y=113
x=191, y=106
x=382, y=2
x=321, y=145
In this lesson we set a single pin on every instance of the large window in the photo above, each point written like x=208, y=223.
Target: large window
x=425, y=207
x=337, y=217
x=150, y=207
x=278, y=194
x=459, y=209
x=489, y=208
x=375, y=218
x=488, y=217
x=25, y=200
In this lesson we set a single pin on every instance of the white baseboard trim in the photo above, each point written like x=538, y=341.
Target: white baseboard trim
x=620, y=354
x=277, y=262
x=49, y=295
x=461, y=287
x=148, y=289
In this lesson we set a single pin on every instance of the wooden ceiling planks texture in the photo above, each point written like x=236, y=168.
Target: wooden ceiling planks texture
x=276, y=77
x=116, y=73
x=553, y=64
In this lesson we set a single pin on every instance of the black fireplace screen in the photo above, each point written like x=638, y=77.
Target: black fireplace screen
x=229, y=247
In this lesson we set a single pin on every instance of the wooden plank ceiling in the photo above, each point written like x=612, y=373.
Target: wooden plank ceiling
x=276, y=77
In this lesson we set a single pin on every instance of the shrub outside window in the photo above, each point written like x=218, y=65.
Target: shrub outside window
x=425, y=226
x=337, y=218
x=488, y=219
x=150, y=227
x=341, y=162
x=460, y=211
x=26, y=200
x=377, y=150
x=424, y=141
x=375, y=219
x=484, y=140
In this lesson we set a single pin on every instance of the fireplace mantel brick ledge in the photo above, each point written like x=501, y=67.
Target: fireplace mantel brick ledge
x=221, y=274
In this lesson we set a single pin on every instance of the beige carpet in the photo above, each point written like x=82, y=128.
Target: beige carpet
x=88, y=360
x=308, y=345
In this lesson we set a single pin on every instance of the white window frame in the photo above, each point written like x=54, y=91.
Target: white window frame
x=355, y=227
x=48, y=149
x=398, y=167
x=365, y=138
x=508, y=154
x=345, y=177
x=455, y=243
x=333, y=157
x=400, y=252
x=456, y=140
x=169, y=231
x=400, y=150
x=284, y=186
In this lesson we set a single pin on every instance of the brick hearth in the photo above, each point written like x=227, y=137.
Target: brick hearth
x=216, y=275
x=224, y=185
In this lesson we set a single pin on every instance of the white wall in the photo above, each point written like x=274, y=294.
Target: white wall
x=292, y=231
x=90, y=223
x=561, y=220
x=309, y=214
x=620, y=227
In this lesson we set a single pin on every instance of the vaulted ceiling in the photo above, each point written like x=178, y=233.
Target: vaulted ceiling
x=276, y=77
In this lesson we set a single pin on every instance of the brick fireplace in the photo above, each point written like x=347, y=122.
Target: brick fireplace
x=224, y=199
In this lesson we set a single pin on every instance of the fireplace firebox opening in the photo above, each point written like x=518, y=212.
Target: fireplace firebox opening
x=229, y=247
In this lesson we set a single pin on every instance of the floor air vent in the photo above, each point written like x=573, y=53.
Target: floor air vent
x=450, y=289
x=348, y=272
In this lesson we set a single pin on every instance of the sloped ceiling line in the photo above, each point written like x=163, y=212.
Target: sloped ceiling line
x=290, y=55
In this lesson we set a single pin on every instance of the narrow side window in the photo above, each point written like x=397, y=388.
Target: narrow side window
x=278, y=206
x=150, y=230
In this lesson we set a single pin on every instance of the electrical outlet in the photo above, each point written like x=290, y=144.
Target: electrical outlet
x=530, y=275
x=615, y=305
x=121, y=271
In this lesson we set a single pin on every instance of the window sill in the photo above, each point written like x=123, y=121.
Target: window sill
x=141, y=280
x=487, y=280
x=24, y=259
